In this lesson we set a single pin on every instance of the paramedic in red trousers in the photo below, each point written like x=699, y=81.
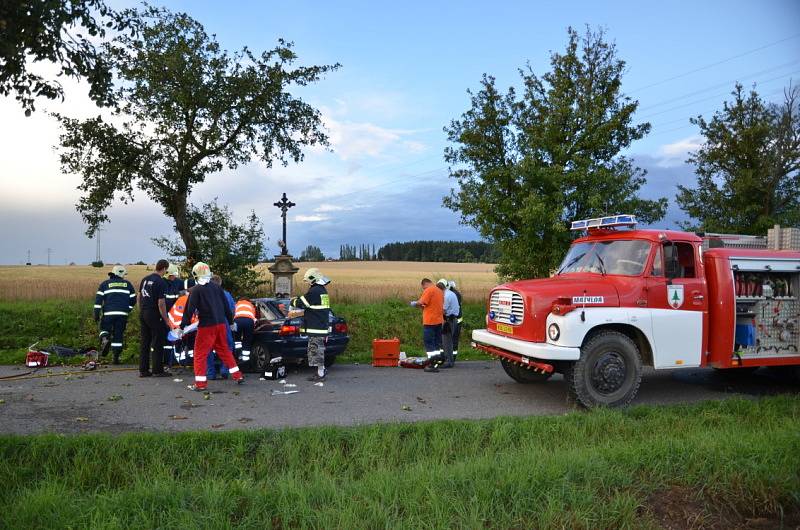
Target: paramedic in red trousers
x=432, y=304
x=215, y=318
x=115, y=299
x=153, y=319
x=316, y=320
x=244, y=320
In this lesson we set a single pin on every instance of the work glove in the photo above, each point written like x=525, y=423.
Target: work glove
x=414, y=303
x=234, y=327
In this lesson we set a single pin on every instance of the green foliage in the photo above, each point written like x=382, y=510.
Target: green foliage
x=600, y=469
x=451, y=251
x=527, y=165
x=231, y=250
x=98, y=264
x=748, y=168
x=312, y=253
x=62, y=32
x=187, y=109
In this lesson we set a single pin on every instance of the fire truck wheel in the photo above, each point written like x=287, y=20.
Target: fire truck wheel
x=608, y=372
x=523, y=375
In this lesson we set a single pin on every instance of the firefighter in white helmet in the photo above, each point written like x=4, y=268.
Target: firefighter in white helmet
x=316, y=319
x=215, y=318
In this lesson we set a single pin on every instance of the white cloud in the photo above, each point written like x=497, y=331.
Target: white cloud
x=676, y=153
x=310, y=218
x=330, y=208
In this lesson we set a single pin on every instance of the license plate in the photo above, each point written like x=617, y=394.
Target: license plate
x=502, y=328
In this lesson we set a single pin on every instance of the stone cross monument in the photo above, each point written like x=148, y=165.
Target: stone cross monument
x=283, y=270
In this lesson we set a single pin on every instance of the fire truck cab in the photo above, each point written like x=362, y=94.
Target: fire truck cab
x=624, y=298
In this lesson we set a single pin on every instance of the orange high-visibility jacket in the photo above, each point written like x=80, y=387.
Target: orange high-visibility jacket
x=176, y=311
x=432, y=302
x=245, y=309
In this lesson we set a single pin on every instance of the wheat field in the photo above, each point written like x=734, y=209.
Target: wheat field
x=351, y=281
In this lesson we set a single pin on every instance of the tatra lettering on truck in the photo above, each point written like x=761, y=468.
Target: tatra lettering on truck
x=624, y=298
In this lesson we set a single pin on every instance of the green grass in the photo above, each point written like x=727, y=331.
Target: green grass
x=601, y=469
x=69, y=323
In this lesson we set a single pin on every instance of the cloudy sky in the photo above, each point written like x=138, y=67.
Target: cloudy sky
x=405, y=72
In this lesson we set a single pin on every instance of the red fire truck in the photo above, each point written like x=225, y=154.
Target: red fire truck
x=625, y=298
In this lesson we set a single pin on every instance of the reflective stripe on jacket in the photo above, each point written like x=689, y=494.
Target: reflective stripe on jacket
x=245, y=309
x=115, y=297
x=317, y=306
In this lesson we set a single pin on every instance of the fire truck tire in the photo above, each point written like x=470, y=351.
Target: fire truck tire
x=523, y=375
x=608, y=373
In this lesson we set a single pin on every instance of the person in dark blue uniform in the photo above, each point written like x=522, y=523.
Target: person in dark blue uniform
x=114, y=300
x=153, y=320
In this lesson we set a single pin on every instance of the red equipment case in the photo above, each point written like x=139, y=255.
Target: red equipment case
x=385, y=352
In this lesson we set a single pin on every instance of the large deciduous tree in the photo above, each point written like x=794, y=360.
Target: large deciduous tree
x=231, y=250
x=528, y=164
x=748, y=167
x=61, y=32
x=187, y=109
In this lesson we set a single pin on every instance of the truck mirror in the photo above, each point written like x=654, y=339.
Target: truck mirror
x=671, y=264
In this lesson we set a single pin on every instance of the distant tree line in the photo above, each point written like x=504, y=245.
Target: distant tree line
x=452, y=251
x=361, y=253
x=312, y=253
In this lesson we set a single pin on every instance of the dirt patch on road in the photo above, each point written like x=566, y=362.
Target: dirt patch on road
x=679, y=508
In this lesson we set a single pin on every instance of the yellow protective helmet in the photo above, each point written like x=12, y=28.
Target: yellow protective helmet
x=172, y=270
x=201, y=272
x=119, y=270
x=312, y=275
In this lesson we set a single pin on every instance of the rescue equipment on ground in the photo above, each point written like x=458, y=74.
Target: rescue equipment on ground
x=276, y=369
x=39, y=358
x=385, y=352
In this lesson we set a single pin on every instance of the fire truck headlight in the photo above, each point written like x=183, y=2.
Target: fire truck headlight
x=553, y=332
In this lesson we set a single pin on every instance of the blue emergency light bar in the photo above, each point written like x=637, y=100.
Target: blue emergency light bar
x=604, y=222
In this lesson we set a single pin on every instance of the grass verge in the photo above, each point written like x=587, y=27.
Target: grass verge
x=602, y=469
x=69, y=323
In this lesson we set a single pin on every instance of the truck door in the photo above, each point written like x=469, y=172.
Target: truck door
x=677, y=298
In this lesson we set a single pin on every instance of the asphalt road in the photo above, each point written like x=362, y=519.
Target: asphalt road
x=118, y=401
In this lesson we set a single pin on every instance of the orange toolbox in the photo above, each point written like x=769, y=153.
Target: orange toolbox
x=385, y=352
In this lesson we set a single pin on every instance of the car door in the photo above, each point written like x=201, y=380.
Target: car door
x=677, y=299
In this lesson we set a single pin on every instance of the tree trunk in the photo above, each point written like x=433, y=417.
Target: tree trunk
x=182, y=224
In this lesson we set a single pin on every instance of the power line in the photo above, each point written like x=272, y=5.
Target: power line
x=750, y=76
x=711, y=65
x=689, y=104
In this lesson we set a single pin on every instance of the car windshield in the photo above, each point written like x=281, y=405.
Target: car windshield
x=626, y=258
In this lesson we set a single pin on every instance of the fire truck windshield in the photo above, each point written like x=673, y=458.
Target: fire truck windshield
x=626, y=258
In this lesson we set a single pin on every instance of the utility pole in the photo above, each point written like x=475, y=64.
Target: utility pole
x=49, y=252
x=29, y=258
x=97, y=238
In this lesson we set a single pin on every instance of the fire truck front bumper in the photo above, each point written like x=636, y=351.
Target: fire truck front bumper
x=535, y=350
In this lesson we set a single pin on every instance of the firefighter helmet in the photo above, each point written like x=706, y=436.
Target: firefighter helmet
x=119, y=270
x=312, y=275
x=172, y=270
x=201, y=272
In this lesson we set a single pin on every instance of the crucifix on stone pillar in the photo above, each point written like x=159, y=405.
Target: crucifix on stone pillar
x=284, y=204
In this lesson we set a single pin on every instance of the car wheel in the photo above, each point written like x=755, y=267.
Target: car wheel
x=523, y=375
x=608, y=373
x=260, y=357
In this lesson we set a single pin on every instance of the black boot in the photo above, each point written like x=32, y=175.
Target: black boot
x=105, y=343
x=433, y=364
x=116, y=358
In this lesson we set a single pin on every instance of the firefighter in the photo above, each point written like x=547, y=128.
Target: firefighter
x=215, y=318
x=175, y=287
x=432, y=304
x=213, y=360
x=244, y=320
x=115, y=299
x=153, y=319
x=459, y=320
x=450, y=310
x=316, y=319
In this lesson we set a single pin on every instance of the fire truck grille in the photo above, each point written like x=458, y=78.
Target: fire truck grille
x=506, y=307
